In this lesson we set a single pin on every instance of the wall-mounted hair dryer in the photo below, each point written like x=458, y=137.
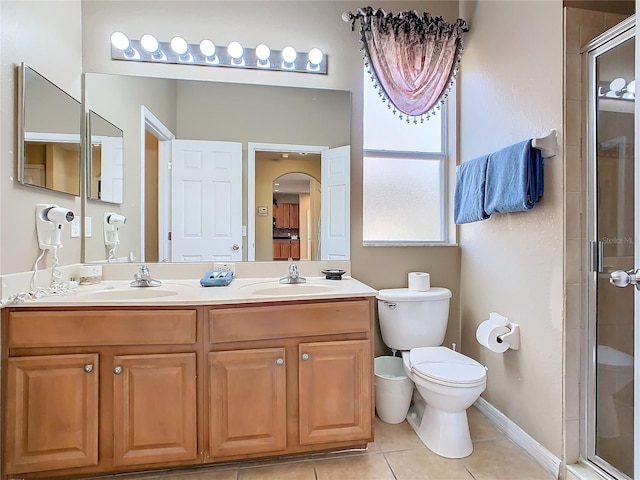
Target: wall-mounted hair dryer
x=50, y=219
x=112, y=221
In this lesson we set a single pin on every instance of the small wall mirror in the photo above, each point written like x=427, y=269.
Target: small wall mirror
x=49, y=134
x=105, y=169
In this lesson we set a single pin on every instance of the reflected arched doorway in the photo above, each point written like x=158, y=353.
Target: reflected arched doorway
x=296, y=217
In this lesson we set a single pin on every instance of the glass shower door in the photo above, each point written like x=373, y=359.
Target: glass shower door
x=610, y=421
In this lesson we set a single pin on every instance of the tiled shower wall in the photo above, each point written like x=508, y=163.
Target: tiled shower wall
x=581, y=26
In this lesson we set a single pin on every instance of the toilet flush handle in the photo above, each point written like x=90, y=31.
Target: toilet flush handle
x=390, y=305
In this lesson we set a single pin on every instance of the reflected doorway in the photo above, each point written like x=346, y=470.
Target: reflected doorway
x=296, y=216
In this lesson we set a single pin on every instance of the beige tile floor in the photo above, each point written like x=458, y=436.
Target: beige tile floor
x=396, y=454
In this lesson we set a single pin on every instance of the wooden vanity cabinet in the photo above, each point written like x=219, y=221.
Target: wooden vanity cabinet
x=98, y=390
x=317, y=354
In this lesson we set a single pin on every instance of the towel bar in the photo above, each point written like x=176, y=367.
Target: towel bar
x=547, y=144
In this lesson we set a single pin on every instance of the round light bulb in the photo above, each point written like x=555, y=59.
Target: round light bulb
x=120, y=41
x=149, y=43
x=208, y=48
x=315, y=56
x=179, y=45
x=235, y=50
x=263, y=52
x=289, y=54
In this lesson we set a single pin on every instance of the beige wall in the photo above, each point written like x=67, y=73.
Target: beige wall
x=380, y=267
x=53, y=48
x=513, y=263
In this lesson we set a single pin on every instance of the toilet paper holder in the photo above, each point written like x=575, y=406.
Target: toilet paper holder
x=512, y=338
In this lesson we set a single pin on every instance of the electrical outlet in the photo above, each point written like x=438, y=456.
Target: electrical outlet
x=225, y=266
x=75, y=227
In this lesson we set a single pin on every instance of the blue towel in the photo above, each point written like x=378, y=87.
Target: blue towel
x=469, y=196
x=216, y=278
x=514, y=179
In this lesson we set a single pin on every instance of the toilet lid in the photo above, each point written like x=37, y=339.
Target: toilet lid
x=443, y=365
x=406, y=295
x=613, y=357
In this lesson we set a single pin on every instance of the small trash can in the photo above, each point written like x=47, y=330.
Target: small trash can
x=393, y=389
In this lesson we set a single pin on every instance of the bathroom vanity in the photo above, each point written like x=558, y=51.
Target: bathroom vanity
x=95, y=385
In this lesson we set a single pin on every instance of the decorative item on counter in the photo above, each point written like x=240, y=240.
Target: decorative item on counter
x=419, y=281
x=333, y=274
x=90, y=274
x=216, y=278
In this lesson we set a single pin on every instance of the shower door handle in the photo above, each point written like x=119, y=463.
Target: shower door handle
x=620, y=278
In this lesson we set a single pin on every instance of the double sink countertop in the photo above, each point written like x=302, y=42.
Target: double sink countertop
x=254, y=282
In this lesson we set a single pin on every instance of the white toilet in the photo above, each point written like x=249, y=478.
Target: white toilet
x=448, y=382
x=615, y=371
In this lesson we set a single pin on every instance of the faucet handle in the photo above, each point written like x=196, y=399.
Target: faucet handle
x=143, y=270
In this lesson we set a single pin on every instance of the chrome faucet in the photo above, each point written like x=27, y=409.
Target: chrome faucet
x=294, y=276
x=143, y=278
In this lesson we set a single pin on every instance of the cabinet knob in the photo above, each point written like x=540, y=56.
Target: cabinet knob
x=88, y=367
x=305, y=356
x=280, y=361
x=117, y=370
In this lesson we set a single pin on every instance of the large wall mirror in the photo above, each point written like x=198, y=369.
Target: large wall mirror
x=105, y=166
x=202, y=160
x=49, y=134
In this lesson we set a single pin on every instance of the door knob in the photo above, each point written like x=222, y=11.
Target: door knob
x=620, y=278
x=235, y=246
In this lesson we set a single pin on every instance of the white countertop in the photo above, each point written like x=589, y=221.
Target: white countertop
x=189, y=292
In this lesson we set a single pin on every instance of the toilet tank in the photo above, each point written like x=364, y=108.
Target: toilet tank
x=411, y=319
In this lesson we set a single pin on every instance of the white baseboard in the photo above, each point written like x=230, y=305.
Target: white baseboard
x=544, y=457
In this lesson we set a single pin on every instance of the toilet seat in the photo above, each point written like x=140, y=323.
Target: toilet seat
x=446, y=367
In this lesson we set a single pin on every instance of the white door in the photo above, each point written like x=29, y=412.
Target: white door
x=334, y=217
x=206, y=201
x=111, y=170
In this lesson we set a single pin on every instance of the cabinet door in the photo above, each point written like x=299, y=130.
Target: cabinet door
x=295, y=249
x=276, y=249
x=247, y=391
x=282, y=215
x=294, y=215
x=154, y=408
x=52, y=412
x=335, y=391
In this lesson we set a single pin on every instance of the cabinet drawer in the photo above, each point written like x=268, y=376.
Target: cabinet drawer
x=286, y=321
x=111, y=327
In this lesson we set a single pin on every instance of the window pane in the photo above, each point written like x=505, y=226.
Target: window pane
x=402, y=200
x=385, y=131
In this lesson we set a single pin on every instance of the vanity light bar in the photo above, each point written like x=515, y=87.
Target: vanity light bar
x=232, y=55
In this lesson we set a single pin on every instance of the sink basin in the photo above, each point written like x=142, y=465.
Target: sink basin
x=289, y=289
x=131, y=294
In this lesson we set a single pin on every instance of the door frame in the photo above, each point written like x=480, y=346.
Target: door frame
x=252, y=148
x=149, y=122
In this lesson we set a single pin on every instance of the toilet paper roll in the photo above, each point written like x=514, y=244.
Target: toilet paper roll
x=419, y=281
x=487, y=335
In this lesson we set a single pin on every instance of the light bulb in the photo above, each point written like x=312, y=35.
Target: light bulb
x=289, y=54
x=120, y=41
x=263, y=52
x=235, y=50
x=315, y=56
x=179, y=45
x=149, y=43
x=208, y=48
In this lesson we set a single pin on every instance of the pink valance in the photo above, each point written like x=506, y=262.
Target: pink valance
x=413, y=58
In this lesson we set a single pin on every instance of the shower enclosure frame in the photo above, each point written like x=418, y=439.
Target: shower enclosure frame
x=605, y=42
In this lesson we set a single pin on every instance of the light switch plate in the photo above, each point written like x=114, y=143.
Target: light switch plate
x=87, y=227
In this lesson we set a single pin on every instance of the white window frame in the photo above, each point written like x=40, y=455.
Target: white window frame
x=445, y=210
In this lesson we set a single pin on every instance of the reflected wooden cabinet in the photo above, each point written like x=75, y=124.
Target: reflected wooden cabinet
x=285, y=249
x=51, y=412
x=287, y=215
